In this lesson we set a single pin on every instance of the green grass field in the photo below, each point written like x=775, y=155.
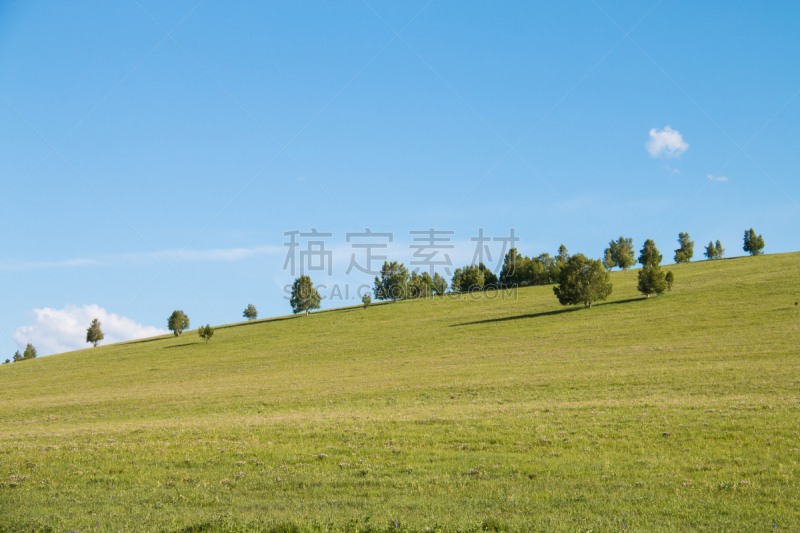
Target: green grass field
x=676, y=413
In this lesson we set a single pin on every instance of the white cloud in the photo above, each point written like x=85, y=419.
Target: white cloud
x=673, y=170
x=64, y=330
x=717, y=178
x=666, y=142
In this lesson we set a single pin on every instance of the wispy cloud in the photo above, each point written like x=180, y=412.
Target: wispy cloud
x=224, y=254
x=63, y=330
x=673, y=170
x=666, y=142
x=717, y=178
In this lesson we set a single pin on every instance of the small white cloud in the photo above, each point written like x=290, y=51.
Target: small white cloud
x=717, y=178
x=673, y=170
x=64, y=330
x=666, y=142
x=301, y=178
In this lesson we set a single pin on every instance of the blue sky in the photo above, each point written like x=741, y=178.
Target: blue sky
x=190, y=136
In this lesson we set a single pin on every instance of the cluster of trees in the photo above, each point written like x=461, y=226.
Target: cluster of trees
x=753, y=244
x=522, y=271
x=714, y=251
x=28, y=353
x=396, y=283
x=205, y=332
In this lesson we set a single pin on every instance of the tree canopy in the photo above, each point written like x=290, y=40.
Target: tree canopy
x=439, y=284
x=178, y=322
x=720, y=250
x=652, y=280
x=94, y=334
x=393, y=282
x=419, y=286
x=649, y=254
x=250, y=312
x=304, y=296
x=685, y=253
x=753, y=244
x=520, y=270
x=468, y=278
x=582, y=281
x=28, y=353
x=619, y=254
x=205, y=332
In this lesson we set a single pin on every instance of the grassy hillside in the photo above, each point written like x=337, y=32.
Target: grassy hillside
x=680, y=412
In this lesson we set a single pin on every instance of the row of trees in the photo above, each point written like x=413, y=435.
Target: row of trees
x=580, y=280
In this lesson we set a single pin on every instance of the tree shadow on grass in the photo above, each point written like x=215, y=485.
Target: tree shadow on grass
x=545, y=313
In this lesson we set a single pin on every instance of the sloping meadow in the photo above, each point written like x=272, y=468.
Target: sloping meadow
x=471, y=413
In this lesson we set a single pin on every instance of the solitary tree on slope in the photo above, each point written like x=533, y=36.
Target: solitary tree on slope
x=250, y=312
x=582, y=281
x=304, y=296
x=94, y=334
x=178, y=322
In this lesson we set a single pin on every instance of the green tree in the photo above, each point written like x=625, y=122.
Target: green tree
x=619, y=253
x=468, y=278
x=753, y=244
x=509, y=268
x=489, y=277
x=304, y=296
x=420, y=286
x=649, y=254
x=720, y=250
x=178, y=322
x=250, y=312
x=685, y=253
x=711, y=250
x=582, y=281
x=652, y=280
x=94, y=334
x=608, y=259
x=624, y=254
x=439, y=284
x=563, y=256
x=393, y=283
x=205, y=332
x=670, y=279
x=17, y=356
x=366, y=300
x=6, y=361
x=30, y=352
